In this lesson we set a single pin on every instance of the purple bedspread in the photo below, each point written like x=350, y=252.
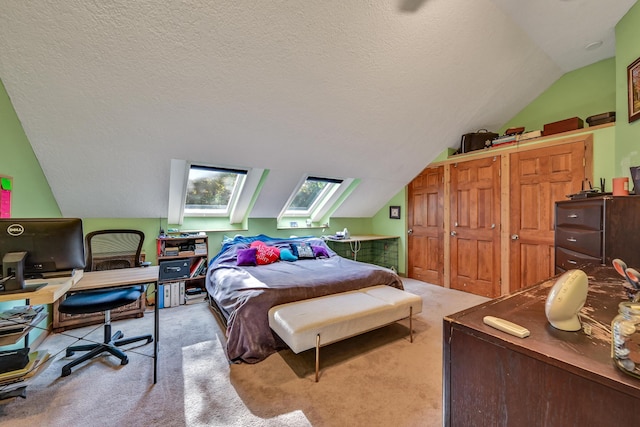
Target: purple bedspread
x=245, y=294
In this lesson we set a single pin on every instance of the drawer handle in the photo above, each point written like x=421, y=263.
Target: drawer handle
x=571, y=239
x=570, y=261
x=572, y=216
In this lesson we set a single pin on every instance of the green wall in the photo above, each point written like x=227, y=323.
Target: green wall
x=627, y=51
x=31, y=196
x=581, y=93
x=383, y=225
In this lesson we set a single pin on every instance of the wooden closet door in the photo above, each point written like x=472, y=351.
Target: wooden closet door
x=426, y=226
x=538, y=179
x=475, y=226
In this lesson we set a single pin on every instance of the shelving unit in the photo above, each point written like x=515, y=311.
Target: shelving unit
x=194, y=248
x=13, y=383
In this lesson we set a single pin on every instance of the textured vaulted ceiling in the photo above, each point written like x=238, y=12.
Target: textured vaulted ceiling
x=108, y=92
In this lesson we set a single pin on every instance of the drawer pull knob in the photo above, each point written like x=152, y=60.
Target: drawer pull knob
x=571, y=239
x=572, y=216
x=570, y=261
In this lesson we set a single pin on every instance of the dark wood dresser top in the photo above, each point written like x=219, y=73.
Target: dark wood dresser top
x=586, y=355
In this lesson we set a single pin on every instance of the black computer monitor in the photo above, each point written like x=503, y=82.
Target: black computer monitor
x=31, y=247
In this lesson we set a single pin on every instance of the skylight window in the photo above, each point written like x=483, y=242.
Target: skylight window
x=212, y=191
x=313, y=192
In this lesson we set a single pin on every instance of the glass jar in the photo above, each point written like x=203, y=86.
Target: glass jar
x=625, y=338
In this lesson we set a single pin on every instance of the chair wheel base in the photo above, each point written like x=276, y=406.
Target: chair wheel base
x=110, y=346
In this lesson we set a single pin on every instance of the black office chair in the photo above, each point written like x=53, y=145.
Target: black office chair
x=106, y=250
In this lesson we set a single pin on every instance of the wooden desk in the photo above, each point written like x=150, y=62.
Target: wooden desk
x=552, y=377
x=115, y=278
x=54, y=289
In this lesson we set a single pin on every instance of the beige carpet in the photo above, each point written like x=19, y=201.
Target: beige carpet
x=376, y=379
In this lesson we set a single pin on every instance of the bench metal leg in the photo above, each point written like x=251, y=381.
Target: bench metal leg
x=317, y=356
x=411, y=324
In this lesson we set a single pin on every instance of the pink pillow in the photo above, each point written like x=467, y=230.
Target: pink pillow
x=247, y=256
x=267, y=254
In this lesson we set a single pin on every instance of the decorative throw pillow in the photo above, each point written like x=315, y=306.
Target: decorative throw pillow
x=247, y=256
x=286, y=255
x=320, y=251
x=267, y=254
x=302, y=250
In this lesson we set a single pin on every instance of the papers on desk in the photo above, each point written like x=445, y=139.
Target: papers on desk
x=17, y=319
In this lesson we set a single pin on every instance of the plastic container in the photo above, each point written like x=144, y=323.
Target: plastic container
x=625, y=338
x=621, y=186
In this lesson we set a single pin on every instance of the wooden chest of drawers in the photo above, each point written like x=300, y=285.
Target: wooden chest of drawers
x=596, y=230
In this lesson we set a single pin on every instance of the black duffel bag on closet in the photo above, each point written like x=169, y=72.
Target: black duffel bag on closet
x=476, y=140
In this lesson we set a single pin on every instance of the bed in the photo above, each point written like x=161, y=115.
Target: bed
x=243, y=294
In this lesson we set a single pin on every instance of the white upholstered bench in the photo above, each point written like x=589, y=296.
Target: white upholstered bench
x=316, y=322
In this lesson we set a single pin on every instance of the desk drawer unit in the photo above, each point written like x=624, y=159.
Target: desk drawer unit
x=596, y=230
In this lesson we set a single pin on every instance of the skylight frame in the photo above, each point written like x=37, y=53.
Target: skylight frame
x=318, y=202
x=241, y=175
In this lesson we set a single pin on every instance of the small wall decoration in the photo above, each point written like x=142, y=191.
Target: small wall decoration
x=394, y=212
x=633, y=81
x=6, y=184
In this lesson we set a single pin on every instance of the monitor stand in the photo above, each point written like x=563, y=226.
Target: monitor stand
x=13, y=271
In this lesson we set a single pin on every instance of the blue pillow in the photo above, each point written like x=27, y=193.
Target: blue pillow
x=286, y=255
x=302, y=250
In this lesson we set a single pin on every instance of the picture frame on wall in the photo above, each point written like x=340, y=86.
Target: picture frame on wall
x=394, y=212
x=633, y=81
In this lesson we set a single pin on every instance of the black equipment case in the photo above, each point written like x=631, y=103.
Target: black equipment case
x=476, y=140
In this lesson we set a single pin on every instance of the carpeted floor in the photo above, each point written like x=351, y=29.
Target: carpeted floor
x=376, y=379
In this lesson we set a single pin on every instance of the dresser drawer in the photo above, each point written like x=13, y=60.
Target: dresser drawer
x=587, y=215
x=567, y=259
x=588, y=242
